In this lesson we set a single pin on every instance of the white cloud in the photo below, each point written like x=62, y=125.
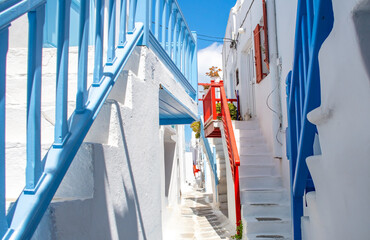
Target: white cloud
x=208, y=57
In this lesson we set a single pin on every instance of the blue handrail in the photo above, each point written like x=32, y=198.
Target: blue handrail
x=313, y=25
x=176, y=47
x=210, y=155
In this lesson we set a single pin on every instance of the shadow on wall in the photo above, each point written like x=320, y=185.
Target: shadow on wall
x=361, y=19
x=121, y=195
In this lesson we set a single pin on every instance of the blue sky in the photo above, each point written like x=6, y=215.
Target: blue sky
x=207, y=17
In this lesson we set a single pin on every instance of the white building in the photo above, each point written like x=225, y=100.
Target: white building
x=336, y=206
x=130, y=164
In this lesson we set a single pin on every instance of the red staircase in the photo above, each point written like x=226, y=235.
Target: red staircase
x=211, y=119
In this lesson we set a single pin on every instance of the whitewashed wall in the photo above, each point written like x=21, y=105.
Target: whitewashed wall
x=113, y=187
x=247, y=14
x=339, y=209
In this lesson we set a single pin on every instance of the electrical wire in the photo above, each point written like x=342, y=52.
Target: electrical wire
x=209, y=40
x=207, y=36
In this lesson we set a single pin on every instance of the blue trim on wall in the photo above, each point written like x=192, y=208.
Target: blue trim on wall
x=176, y=111
x=175, y=121
x=167, y=61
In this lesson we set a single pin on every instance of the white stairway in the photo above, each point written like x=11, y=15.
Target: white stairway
x=221, y=173
x=265, y=203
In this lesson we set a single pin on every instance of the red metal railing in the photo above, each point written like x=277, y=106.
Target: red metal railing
x=210, y=113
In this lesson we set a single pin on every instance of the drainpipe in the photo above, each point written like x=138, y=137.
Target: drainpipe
x=274, y=100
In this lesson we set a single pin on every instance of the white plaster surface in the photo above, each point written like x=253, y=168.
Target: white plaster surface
x=339, y=208
x=282, y=59
x=113, y=187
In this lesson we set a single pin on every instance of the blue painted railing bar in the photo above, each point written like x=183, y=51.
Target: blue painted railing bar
x=27, y=216
x=314, y=23
x=17, y=10
x=211, y=155
x=4, y=35
x=4, y=4
x=61, y=101
x=157, y=17
x=165, y=13
x=83, y=50
x=132, y=13
x=111, y=31
x=122, y=29
x=169, y=30
x=99, y=35
x=34, y=167
x=176, y=49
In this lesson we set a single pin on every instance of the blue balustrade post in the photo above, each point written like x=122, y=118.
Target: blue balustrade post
x=179, y=40
x=157, y=18
x=99, y=37
x=4, y=39
x=187, y=56
x=297, y=202
x=191, y=46
x=175, y=36
x=195, y=65
x=61, y=102
x=132, y=16
x=111, y=52
x=34, y=167
x=83, y=50
x=183, y=51
x=165, y=13
x=215, y=165
x=142, y=15
x=122, y=24
x=150, y=15
x=169, y=34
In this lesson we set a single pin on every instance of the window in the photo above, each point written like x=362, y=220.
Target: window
x=261, y=50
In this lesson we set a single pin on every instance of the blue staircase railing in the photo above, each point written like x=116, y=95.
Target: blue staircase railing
x=165, y=32
x=313, y=25
x=211, y=155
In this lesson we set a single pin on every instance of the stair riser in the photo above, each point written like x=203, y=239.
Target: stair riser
x=255, y=160
x=246, y=125
x=254, y=150
x=262, y=196
x=255, y=170
x=273, y=227
x=248, y=134
x=259, y=182
x=222, y=198
x=254, y=141
x=267, y=211
x=222, y=189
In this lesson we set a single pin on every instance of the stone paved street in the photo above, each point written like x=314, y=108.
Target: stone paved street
x=195, y=219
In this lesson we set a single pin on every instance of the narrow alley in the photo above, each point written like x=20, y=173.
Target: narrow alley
x=195, y=219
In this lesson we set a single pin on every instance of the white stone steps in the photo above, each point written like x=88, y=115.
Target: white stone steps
x=252, y=124
x=222, y=189
x=256, y=159
x=256, y=170
x=306, y=228
x=265, y=203
x=267, y=225
x=267, y=210
x=219, y=148
x=257, y=182
x=256, y=140
x=250, y=133
x=264, y=196
x=222, y=198
x=268, y=236
x=254, y=150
